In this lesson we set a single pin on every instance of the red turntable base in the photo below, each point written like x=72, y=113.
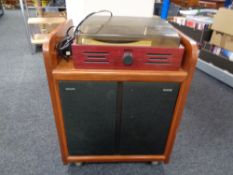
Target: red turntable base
x=127, y=43
x=122, y=57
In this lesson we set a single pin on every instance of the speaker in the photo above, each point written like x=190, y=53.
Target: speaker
x=126, y=118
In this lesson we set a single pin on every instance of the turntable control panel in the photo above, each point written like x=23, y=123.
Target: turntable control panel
x=126, y=57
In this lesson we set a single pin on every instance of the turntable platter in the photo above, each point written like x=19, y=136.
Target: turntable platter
x=114, y=41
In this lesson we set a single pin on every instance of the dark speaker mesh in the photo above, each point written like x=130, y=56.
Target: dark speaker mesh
x=89, y=116
x=146, y=116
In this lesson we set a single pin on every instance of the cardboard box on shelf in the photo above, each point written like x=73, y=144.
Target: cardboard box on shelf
x=216, y=38
x=227, y=42
x=223, y=21
x=222, y=40
x=223, y=29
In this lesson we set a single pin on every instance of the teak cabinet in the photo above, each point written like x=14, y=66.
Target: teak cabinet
x=116, y=115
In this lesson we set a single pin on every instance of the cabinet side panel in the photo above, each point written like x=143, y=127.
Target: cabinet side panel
x=89, y=116
x=146, y=117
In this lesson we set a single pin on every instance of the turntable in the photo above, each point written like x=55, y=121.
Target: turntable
x=118, y=42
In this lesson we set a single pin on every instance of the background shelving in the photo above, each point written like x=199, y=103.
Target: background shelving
x=217, y=66
x=40, y=18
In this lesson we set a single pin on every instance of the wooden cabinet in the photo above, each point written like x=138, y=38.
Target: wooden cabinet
x=116, y=115
x=211, y=3
x=200, y=3
x=186, y=3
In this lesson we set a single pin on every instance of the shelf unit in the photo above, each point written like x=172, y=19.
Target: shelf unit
x=215, y=71
x=217, y=66
x=39, y=38
x=214, y=65
x=39, y=27
x=197, y=35
x=44, y=20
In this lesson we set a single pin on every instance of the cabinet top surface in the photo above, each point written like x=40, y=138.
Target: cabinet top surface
x=66, y=70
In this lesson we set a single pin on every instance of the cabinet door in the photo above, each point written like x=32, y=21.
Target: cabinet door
x=146, y=116
x=89, y=116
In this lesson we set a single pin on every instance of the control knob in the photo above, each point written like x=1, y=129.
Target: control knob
x=128, y=59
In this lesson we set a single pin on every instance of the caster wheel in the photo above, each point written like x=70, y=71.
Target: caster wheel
x=78, y=164
x=155, y=163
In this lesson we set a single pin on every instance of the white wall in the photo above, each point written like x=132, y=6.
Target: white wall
x=78, y=9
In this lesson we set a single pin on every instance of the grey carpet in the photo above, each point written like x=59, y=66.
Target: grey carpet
x=116, y=169
x=28, y=141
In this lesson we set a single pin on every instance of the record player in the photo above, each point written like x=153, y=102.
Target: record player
x=119, y=42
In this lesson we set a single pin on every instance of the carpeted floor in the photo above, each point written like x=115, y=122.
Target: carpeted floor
x=28, y=141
